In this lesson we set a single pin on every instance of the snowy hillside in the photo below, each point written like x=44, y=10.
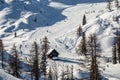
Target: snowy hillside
x=30, y=23
x=59, y=20
x=5, y=76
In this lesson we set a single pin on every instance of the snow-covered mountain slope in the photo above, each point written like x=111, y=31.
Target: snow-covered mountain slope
x=6, y=76
x=61, y=20
x=58, y=20
x=105, y=28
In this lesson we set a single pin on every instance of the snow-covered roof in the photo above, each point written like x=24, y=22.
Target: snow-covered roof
x=50, y=51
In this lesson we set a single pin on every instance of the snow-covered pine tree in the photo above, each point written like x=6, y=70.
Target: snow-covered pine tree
x=71, y=73
x=2, y=53
x=14, y=62
x=82, y=49
x=114, y=55
x=44, y=50
x=35, y=69
x=94, y=70
x=118, y=47
x=67, y=73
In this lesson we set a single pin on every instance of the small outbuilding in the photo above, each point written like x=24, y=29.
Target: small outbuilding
x=52, y=53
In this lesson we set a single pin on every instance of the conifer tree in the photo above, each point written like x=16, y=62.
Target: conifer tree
x=15, y=63
x=2, y=53
x=118, y=47
x=92, y=45
x=67, y=73
x=83, y=45
x=94, y=70
x=44, y=50
x=71, y=73
x=114, y=55
x=35, y=69
x=82, y=49
x=79, y=31
x=15, y=34
x=84, y=19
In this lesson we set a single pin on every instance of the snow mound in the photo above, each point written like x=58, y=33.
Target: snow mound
x=5, y=76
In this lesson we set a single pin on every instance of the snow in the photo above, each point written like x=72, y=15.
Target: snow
x=59, y=20
x=112, y=71
x=58, y=5
x=6, y=76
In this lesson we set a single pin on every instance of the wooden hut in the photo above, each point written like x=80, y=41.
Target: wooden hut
x=52, y=53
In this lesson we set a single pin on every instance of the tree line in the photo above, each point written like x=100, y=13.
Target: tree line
x=36, y=61
x=91, y=47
